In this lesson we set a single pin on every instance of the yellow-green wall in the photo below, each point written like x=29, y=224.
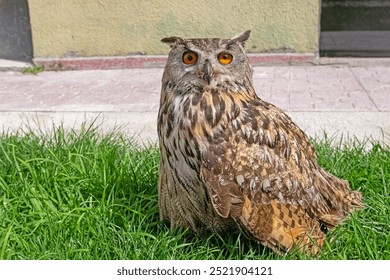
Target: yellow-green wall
x=122, y=27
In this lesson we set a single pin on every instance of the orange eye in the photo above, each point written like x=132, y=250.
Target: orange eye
x=225, y=58
x=189, y=57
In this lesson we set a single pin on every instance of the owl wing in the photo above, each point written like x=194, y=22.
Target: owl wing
x=260, y=170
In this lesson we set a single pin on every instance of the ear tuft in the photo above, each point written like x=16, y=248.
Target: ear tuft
x=172, y=40
x=241, y=38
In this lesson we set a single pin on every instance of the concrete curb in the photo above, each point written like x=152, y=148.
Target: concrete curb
x=158, y=61
x=150, y=61
x=361, y=126
x=11, y=65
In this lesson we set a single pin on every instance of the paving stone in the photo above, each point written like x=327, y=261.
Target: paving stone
x=381, y=99
x=130, y=97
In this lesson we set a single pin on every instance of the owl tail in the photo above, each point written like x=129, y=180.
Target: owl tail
x=341, y=199
x=282, y=227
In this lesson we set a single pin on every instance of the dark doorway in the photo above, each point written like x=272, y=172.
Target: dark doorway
x=15, y=31
x=359, y=28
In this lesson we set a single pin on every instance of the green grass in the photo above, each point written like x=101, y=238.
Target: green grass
x=34, y=70
x=80, y=195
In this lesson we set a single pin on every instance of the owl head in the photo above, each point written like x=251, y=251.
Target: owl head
x=207, y=62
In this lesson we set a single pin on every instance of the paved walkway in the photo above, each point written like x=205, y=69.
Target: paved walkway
x=339, y=99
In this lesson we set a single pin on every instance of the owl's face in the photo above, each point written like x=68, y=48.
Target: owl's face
x=208, y=62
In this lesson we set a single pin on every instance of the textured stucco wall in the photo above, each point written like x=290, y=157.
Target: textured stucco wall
x=122, y=27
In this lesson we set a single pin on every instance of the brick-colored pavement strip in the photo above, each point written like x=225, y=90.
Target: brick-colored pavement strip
x=330, y=98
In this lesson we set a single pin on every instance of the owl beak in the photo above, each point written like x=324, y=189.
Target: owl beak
x=208, y=71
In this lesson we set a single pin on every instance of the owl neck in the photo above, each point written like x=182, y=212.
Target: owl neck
x=205, y=110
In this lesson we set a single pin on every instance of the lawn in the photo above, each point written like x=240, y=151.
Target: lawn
x=81, y=195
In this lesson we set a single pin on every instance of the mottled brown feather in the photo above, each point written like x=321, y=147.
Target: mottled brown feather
x=230, y=160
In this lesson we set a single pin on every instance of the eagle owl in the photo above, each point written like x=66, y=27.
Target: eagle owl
x=231, y=161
